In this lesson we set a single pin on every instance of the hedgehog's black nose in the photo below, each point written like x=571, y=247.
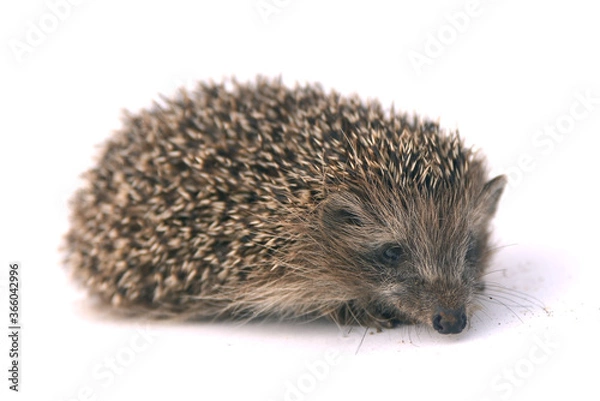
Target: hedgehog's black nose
x=449, y=321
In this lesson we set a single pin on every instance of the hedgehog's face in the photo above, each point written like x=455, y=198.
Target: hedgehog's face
x=411, y=260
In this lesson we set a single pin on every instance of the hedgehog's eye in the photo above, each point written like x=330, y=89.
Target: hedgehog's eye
x=392, y=254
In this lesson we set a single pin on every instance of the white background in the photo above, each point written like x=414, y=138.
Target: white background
x=508, y=76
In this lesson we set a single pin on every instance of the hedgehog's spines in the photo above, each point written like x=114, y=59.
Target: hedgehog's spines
x=208, y=203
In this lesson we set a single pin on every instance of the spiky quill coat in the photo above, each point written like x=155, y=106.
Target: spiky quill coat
x=214, y=203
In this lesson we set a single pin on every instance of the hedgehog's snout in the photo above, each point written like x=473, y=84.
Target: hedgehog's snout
x=449, y=321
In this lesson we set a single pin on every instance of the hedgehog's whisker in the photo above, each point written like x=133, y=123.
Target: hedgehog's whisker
x=498, y=302
x=501, y=289
x=361, y=340
x=508, y=298
x=489, y=272
x=498, y=247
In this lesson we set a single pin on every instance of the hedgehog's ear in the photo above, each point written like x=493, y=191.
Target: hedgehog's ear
x=341, y=209
x=490, y=195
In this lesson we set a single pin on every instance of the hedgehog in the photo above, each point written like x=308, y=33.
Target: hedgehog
x=242, y=200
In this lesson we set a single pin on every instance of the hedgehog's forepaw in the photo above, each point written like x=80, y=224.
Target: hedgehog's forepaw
x=373, y=316
x=387, y=319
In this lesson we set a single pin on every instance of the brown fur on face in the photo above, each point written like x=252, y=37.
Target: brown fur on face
x=265, y=200
x=418, y=253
